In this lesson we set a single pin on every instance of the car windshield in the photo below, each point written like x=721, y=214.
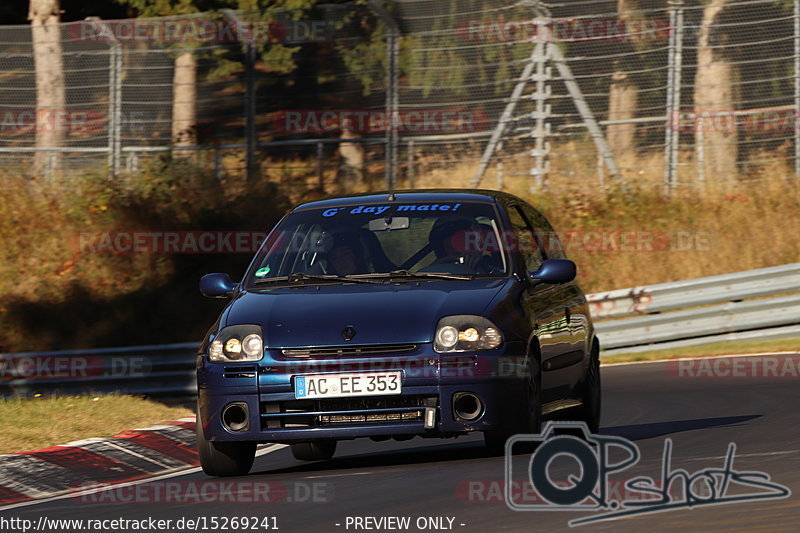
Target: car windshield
x=367, y=241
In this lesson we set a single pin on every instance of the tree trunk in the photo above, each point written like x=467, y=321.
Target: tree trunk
x=184, y=100
x=351, y=165
x=50, y=94
x=622, y=98
x=715, y=98
x=622, y=103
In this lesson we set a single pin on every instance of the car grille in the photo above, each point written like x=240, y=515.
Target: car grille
x=323, y=351
x=341, y=411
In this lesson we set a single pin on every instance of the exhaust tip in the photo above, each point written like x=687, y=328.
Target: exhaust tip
x=236, y=417
x=467, y=406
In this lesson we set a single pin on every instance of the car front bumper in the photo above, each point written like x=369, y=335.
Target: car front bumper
x=429, y=380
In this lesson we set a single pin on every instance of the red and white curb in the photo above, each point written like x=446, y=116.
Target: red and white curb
x=128, y=456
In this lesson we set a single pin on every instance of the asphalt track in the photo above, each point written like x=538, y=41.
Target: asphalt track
x=420, y=478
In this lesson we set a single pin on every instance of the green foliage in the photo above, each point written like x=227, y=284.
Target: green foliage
x=168, y=8
x=443, y=53
x=277, y=57
x=367, y=59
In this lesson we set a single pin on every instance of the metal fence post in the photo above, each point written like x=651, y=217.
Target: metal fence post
x=410, y=169
x=392, y=110
x=320, y=166
x=673, y=106
x=392, y=98
x=676, y=94
x=796, y=88
x=700, y=148
x=112, y=115
x=249, y=52
x=668, y=111
x=117, y=146
x=114, y=99
x=541, y=112
x=499, y=168
x=250, y=110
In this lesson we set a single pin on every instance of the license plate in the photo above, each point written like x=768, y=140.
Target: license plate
x=343, y=385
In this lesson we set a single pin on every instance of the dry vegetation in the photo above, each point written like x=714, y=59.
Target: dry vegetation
x=56, y=296
x=58, y=420
x=708, y=350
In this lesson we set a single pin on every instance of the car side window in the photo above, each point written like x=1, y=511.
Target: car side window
x=524, y=239
x=547, y=237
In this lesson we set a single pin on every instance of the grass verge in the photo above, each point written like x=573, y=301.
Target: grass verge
x=707, y=350
x=31, y=424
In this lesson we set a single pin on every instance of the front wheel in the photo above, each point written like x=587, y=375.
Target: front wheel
x=530, y=417
x=318, y=450
x=224, y=458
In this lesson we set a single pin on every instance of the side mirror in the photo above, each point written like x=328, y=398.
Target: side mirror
x=554, y=271
x=217, y=286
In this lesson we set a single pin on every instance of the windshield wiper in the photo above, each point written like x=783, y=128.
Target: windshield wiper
x=301, y=277
x=408, y=274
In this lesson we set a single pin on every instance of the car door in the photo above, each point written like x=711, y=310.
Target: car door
x=544, y=308
x=576, y=310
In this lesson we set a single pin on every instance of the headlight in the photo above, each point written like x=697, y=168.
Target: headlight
x=252, y=345
x=466, y=333
x=237, y=343
x=447, y=337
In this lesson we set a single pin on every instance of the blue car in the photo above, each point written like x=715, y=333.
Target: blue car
x=393, y=315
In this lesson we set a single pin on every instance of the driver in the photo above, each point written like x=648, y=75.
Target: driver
x=448, y=237
x=346, y=255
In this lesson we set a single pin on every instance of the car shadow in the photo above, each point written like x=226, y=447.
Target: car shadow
x=659, y=429
x=461, y=451
x=453, y=451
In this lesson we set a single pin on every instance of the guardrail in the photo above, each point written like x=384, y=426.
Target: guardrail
x=756, y=304
x=165, y=370
x=750, y=305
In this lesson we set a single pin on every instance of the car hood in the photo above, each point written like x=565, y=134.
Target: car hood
x=294, y=317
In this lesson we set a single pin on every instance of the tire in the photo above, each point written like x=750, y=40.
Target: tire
x=224, y=458
x=318, y=450
x=529, y=419
x=591, y=396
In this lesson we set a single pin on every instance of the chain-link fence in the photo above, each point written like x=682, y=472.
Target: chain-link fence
x=491, y=93
x=582, y=93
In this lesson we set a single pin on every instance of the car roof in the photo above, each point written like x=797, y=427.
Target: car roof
x=417, y=195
